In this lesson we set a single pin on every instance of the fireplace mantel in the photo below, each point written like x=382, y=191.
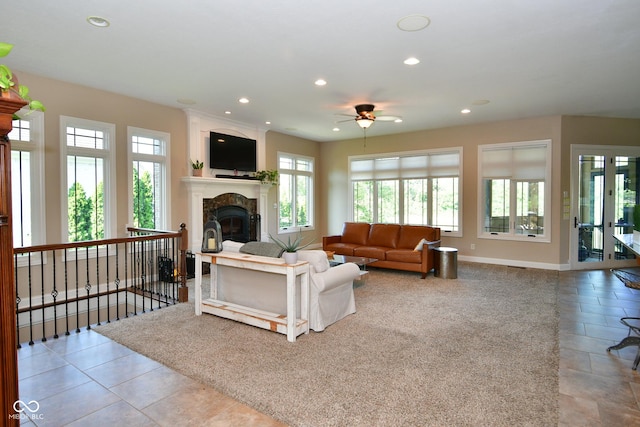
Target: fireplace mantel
x=200, y=188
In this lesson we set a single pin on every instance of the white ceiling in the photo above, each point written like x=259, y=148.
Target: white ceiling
x=528, y=58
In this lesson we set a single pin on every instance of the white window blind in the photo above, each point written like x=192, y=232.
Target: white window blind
x=417, y=166
x=527, y=162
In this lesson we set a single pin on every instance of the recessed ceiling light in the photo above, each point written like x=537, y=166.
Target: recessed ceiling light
x=465, y=111
x=97, y=21
x=336, y=129
x=413, y=23
x=411, y=61
x=227, y=112
x=320, y=82
x=398, y=120
x=267, y=123
x=243, y=101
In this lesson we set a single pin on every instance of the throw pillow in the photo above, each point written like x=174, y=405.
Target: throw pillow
x=231, y=246
x=419, y=245
x=263, y=249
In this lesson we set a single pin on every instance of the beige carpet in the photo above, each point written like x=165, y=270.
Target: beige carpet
x=479, y=350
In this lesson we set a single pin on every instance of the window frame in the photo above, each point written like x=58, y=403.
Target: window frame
x=429, y=176
x=295, y=228
x=163, y=159
x=511, y=235
x=35, y=147
x=108, y=154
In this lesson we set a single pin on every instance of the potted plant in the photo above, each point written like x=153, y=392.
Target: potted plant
x=291, y=248
x=636, y=225
x=197, y=167
x=9, y=86
x=267, y=176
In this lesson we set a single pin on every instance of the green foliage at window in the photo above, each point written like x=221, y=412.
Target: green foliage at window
x=98, y=207
x=143, y=203
x=80, y=214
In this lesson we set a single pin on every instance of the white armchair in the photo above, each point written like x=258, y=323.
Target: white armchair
x=330, y=288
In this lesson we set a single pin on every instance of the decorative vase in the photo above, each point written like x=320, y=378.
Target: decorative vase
x=290, y=257
x=197, y=172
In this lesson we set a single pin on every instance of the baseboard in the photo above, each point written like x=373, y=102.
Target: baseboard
x=515, y=263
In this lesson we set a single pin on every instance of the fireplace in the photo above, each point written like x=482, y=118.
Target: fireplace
x=239, y=222
x=207, y=196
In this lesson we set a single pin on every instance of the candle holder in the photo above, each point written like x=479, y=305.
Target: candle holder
x=212, y=236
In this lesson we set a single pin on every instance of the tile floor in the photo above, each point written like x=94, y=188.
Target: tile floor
x=87, y=380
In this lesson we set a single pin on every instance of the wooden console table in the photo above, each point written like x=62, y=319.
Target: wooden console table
x=285, y=323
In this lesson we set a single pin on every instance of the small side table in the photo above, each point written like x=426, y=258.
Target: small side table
x=445, y=262
x=633, y=323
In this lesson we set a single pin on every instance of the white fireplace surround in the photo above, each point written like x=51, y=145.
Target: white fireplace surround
x=208, y=188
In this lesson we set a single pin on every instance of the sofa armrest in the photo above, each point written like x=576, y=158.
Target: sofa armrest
x=432, y=244
x=335, y=276
x=327, y=240
x=428, y=255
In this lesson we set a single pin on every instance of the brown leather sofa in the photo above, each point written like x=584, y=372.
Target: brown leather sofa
x=400, y=247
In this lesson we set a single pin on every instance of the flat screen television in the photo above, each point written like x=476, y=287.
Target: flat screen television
x=230, y=152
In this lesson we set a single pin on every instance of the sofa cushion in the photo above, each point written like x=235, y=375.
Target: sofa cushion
x=404, y=255
x=262, y=249
x=355, y=232
x=384, y=235
x=341, y=248
x=410, y=235
x=317, y=259
x=371, y=252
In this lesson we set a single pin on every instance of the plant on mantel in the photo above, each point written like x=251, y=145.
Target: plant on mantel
x=267, y=176
x=197, y=167
x=9, y=84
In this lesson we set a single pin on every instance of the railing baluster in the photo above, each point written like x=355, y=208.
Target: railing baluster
x=77, y=293
x=44, y=315
x=87, y=287
x=66, y=292
x=15, y=273
x=147, y=284
x=108, y=288
x=54, y=294
x=30, y=302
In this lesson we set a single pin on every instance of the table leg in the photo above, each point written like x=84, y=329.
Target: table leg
x=198, y=285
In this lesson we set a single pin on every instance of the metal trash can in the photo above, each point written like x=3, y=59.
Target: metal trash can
x=446, y=262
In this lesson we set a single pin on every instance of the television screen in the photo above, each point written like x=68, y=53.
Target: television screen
x=230, y=152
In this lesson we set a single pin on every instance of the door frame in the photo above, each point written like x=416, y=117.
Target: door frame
x=609, y=152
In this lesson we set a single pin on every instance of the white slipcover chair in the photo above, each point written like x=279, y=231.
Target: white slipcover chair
x=330, y=288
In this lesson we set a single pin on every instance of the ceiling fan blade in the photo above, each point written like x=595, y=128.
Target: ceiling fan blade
x=388, y=118
x=346, y=120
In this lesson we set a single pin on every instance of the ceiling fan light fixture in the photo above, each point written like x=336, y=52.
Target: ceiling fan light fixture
x=364, y=122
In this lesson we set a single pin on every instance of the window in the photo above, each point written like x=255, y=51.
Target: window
x=295, y=192
x=515, y=181
x=89, y=167
x=420, y=188
x=149, y=177
x=27, y=180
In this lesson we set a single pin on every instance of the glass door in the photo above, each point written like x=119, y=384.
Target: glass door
x=604, y=191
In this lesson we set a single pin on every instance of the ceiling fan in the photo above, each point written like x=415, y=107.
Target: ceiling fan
x=366, y=115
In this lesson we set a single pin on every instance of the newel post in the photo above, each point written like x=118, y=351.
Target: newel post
x=8, y=336
x=183, y=290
